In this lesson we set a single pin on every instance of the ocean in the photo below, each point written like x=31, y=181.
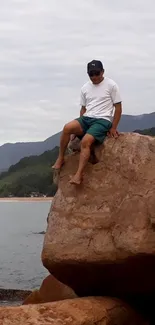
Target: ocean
x=21, y=244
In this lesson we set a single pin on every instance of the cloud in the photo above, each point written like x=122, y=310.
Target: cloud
x=44, y=49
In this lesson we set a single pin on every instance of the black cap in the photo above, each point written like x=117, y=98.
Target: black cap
x=94, y=65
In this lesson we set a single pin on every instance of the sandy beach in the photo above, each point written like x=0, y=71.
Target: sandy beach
x=24, y=199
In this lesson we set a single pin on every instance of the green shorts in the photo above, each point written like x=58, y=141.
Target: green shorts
x=97, y=127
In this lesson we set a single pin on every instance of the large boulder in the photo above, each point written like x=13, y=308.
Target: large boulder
x=86, y=311
x=100, y=237
x=51, y=290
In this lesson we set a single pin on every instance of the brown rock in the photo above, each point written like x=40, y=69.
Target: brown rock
x=33, y=298
x=50, y=290
x=101, y=235
x=86, y=311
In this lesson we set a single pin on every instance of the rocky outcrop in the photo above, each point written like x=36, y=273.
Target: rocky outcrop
x=50, y=290
x=85, y=311
x=101, y=235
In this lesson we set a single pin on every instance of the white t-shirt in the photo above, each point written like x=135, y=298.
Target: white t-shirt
x=99, y=99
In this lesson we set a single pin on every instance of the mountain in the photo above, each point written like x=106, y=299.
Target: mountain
x=130, y=123
x=30, y=176
x=150, y=132
x=11, y=153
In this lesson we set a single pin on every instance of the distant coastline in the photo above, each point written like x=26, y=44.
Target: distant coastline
x=26, y=199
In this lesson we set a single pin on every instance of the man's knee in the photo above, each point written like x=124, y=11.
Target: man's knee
x=87, y=141
x=67, y=128
x=73, y=127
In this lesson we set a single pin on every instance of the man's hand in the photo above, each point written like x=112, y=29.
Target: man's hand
x=113, y=133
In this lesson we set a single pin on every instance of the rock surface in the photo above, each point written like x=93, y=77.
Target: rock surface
x=100, y=238
x=86, y=311
x=50, y=290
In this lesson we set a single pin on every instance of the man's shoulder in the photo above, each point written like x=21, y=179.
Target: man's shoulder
x=86, y=86
x=110, y=82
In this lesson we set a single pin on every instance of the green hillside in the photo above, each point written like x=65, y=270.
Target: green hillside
x=30, y=176
x=150, y=132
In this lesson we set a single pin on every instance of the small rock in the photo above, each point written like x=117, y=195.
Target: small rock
x=50, y=290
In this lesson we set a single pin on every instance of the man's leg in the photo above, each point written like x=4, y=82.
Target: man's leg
x=72, y=127
x=86, y=143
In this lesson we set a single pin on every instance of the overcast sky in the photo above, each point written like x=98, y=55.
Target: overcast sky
x=45, y=46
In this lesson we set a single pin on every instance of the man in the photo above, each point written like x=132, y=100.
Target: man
x=99, y=97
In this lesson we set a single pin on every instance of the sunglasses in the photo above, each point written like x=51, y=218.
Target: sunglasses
x=94, y=73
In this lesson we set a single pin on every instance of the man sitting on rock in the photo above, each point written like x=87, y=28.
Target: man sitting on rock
x=99, y=97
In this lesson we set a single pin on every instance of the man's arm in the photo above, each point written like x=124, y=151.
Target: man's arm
x=117, y=102
x=117, y=115
x=83, y=110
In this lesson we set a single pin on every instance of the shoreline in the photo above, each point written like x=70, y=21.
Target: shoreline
x=33, y=199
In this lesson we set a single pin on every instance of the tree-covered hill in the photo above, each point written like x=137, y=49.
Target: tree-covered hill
x=150, y=131
x=30, y=176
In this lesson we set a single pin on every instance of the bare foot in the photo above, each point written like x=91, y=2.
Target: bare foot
x=76, y=180
x=58, y=164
